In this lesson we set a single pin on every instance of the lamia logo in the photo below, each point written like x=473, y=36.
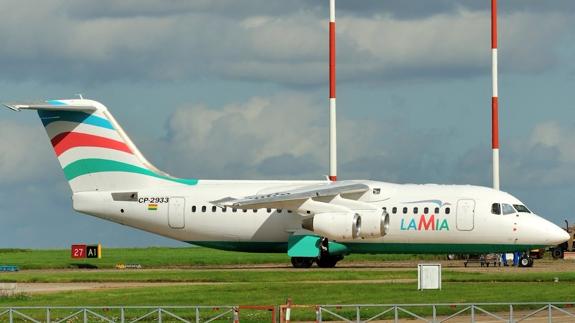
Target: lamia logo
x=430, y=223
x=425, y=223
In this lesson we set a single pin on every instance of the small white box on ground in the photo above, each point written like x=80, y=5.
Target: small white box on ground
x=428, y=276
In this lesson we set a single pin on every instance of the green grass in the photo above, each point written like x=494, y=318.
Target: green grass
x=163, y=257
x=277, y=293
x=238, y=276
x=197, y=276
x=267, y=285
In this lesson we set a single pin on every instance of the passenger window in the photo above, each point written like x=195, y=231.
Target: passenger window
x=507, y=209
x=224, y=209
x=234, y=210
x=279, y=210
x=415, y=210
x=289, y=211
x=214, y=209
x=194, y=209
x=404, y=210
x=255, y=210
x=245, y=210
x=436, y=210
x=426, y=210
x=394, y=210
x=447, y=210
x=269, y=210
x=384, y=209
x=496, y=208
x=204, y=208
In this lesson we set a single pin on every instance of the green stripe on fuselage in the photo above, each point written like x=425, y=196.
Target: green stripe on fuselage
x=94, y=165
x=373, y=248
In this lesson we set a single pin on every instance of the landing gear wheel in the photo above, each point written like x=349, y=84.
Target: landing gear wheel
x=327, y=262
x=531, y=262
x=526, y=262
x=557, y=253
x=301, y=262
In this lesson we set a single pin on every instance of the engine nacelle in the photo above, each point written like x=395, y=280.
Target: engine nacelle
x=335, y=226
x=374, y=224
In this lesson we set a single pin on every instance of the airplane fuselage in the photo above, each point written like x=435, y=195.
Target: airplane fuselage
x=422, y=218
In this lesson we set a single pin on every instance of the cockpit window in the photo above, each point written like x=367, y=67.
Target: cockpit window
x=508, y=209
x=521, y=208
x=496, y=208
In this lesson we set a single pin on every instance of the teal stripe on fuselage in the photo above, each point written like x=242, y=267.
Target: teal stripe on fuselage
x=48, y=117
x=373, y=248
x=94, y=165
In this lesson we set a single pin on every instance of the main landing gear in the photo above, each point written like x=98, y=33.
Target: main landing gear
x=526, y=261
x=324, y=260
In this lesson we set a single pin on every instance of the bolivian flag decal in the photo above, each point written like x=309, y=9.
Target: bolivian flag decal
x=152, y=207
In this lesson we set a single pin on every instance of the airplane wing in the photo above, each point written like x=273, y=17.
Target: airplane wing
x=294, y=197
x=46, y=106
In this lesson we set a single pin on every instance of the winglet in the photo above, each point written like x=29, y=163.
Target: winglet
x=13, y=107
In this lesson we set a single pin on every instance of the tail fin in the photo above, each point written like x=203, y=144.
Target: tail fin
x=93, y=149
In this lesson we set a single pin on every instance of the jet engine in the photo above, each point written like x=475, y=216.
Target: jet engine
x=335, y=226
x=374, y=224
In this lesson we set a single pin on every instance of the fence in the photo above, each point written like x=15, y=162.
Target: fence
x=432, y=313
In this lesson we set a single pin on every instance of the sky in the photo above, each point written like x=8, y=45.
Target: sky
x=227, y=89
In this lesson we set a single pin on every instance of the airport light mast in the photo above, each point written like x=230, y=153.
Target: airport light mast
x=495, y=97
x=332, y=106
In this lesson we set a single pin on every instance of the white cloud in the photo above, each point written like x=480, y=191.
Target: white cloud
x=238, y=137
x=287, y=134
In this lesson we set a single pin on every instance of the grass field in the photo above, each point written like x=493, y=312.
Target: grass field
x=198, y=276
x=163, y=257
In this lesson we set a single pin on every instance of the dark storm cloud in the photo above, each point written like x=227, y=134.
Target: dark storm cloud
x=416, y=9
x=404, y=9
x=265, y=41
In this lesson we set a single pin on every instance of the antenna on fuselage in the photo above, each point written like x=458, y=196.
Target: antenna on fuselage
x=495, y=96
x=332, y=107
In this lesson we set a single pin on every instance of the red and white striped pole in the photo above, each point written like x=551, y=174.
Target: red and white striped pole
x=495, y=97
x=332, y=109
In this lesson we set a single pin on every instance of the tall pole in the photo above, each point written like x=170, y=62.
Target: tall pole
x=495, y=97
x=332, y=110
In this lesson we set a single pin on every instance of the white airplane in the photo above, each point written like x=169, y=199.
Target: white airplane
x=313, y=221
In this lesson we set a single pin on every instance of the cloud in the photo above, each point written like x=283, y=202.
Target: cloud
x=24, y=154
x=286, y=136
x=246, y=138
x=543, y=159
x=270, y=41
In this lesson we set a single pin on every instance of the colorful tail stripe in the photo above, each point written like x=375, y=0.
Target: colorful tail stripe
x=93, y=165
x=68, y=140
x=111, y=152
x=48, y=117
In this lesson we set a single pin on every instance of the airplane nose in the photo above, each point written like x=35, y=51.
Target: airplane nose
x=562, y=236
x=550, y=233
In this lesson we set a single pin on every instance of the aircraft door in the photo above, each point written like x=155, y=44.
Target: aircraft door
x=176, y=212
x=465, y=215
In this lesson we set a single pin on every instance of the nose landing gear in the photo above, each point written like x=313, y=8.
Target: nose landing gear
x=526, y=261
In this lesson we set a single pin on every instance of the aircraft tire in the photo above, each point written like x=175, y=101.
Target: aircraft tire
x=302, y=262
x=327, y=262
x=531, y=262
x=525, y=261
x=557, y=253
